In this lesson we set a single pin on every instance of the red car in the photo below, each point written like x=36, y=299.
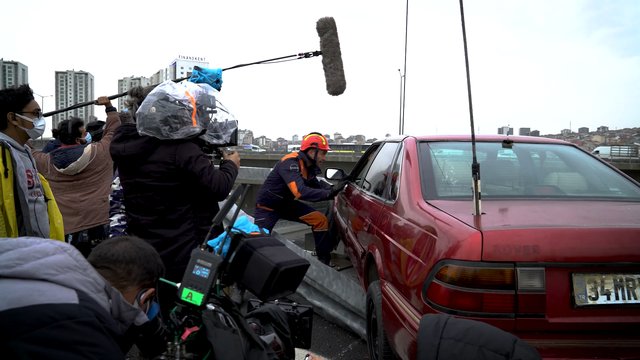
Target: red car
x=554, y=257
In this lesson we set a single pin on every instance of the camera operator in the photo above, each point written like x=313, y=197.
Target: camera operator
x=171, y=188
x=56, y=304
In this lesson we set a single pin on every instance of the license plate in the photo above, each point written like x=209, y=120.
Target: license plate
x=606, y=289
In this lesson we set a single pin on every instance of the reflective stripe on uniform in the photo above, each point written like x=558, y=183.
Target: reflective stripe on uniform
x=317, y=220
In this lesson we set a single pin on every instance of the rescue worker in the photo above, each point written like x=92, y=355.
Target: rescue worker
x=27, y=205
x=292, y=179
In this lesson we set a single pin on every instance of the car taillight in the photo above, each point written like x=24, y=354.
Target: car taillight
x=478, y=277
x=531, y=291
x=486, y=289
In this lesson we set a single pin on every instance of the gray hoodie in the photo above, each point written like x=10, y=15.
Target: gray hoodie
x=30, y=196
x=55, y=270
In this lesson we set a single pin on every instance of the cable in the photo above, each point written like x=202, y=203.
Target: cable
x=169, y=282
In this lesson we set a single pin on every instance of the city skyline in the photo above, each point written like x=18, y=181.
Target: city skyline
x=14, y=72
x=545, y=64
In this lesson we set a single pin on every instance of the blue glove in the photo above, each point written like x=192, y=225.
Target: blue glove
x=242, y=225
x=220, y=242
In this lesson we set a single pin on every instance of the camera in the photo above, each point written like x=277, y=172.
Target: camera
x=259, y=264
x=218, y=136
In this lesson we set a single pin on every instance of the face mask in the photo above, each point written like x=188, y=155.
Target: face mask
x=39, y=124
x=87, y=138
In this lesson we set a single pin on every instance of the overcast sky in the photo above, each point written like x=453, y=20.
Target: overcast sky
x=543, y=64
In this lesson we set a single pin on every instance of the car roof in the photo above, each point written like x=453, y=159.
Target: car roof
x=480, y=138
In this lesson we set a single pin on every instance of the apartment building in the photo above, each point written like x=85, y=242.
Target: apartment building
x=127, y=83
x=13, y=73
x=73, y=87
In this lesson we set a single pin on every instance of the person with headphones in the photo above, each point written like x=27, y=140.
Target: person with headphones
x=292, y=179
x=56, y=304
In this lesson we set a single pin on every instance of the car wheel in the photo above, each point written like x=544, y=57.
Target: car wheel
x=379, y=348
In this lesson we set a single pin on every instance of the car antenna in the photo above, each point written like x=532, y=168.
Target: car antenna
x=475, y=166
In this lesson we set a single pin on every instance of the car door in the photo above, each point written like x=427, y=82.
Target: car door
x=373, y=192
x=353, y=209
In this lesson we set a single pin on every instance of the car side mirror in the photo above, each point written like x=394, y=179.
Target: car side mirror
x=335, y=174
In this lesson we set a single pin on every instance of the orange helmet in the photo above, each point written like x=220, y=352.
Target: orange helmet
x=314, y=140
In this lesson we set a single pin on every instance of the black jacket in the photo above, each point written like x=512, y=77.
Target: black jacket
x=171, y=191
x=444, y=337
x=55, y=305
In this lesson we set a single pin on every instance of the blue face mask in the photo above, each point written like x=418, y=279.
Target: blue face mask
x=39, y=125
x=87, y=138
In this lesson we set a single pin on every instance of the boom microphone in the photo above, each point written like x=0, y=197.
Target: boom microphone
x=331, y=56
x=331, y=62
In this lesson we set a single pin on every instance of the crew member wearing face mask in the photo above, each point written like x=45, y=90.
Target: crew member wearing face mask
x=80, y=172
x=27, y=204
x=94, y=308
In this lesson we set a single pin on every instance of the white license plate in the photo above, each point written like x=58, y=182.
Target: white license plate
x=606, y=289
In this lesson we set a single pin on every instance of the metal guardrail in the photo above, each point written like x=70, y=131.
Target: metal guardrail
x=335, y=295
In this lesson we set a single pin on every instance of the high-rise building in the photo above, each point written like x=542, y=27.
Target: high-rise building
x=524, y=131
x=74, y=87
x=159, y=76
x=182, y=66
x=505, y=130
x=13, y=73
x=127, y=83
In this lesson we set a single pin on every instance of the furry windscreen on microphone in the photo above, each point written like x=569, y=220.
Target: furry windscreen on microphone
x=331, y=56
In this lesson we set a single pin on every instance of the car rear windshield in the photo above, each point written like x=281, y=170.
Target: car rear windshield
x=520, y=170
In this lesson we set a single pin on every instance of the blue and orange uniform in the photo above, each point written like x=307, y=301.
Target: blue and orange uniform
x=292, y=179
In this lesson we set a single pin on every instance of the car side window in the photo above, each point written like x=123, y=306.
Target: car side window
x=363, y=165
x=380, y=170
x=395, y=176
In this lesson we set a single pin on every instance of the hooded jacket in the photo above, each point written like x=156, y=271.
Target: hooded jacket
x=171, y=191
x=27, y=205
x=55, y=305
x=80, y=177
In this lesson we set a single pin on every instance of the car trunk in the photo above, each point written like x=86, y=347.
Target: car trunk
x=590, y=253
x=554, y=231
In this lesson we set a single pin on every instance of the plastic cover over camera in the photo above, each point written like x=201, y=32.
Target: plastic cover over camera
x=185, y=110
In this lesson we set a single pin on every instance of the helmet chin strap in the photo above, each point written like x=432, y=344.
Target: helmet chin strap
x=315, y=155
